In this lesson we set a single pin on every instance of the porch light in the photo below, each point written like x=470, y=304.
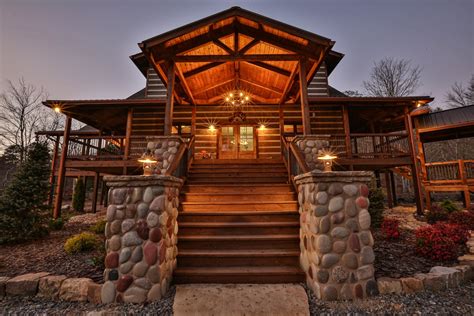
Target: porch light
x=148, y=162
x=212, y=128
x=236, y=98
x=262, y=126
x=328, y=160
x=57, y=109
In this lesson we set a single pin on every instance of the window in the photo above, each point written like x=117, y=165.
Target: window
x=292, y=129
x=181, y=129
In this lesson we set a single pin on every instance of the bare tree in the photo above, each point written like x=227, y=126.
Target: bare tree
x=459, y=95
x=22, y=114
x=353, y=93
x=393, y=78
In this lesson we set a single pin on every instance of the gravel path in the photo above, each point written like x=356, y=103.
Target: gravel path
x=38, y=306
x=459, y=301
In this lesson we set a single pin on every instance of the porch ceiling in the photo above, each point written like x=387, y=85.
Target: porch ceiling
x=236, y=49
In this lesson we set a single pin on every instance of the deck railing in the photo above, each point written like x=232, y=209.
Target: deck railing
x=293, y=159
x=379, y=145
x=454, y=172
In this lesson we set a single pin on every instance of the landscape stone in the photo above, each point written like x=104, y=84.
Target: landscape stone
x=371, y=288
x=451, y=276
x=350, y=260
x=50, y=285
x=74, y=289
x=329, y=293
x=154, y=294
x=389, y=286
x=127, y=225
x=114, y=243
x=26, y=284
x=131, y=239
x=339, y=246
x=339, y=232
x=125, y=254
x=3, y=283
x=94, y=293
x=350, y=189
x=324, y=244
x=108, y=292
x=350, y=208
x=433, y=281
x=364, y=219
x=124, y=282
x=411, y=285
x=134, y=295
x=330, y=259
x=367, y=255
x=365, y=272
x=336, y=204
x=322, y=197
x=137, y=254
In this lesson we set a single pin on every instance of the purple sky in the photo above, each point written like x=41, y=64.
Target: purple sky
x=79, y=49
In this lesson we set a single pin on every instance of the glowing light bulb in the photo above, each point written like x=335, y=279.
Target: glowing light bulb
x=246, y=98
x=57, y=109
x=241, y=94
x=233, y=102
x=212, y=127
x=231, y=95
x=227, y=99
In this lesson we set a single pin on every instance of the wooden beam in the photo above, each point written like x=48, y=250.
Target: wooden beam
x=169, y=99
x=128, y=133
x=388, y=186
x=304, y=98
x=95, y=192
x=262, y=86
x=184, y=84
x=200, y=69
x=62, y=169
x=249, y=46
x=289, y=84
x=225, y=58
x=415, y=169
x=393, y=186
x=266, y=66
x=53, y=170
x=223, y=46
x=347, y=131
x=205, y=89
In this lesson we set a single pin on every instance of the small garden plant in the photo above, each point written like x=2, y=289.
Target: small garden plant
x=56, y=224
x=81, y=242
x=376, y=207
x=390, y=228
x=99, y=227
x=79, y=196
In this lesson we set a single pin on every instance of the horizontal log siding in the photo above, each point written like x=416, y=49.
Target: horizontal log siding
x=154, y=87
x=319, y=85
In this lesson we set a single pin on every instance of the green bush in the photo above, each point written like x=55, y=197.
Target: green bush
x=79, y=196
x=376, y=206
x=449, y=206
x=56, y=224
x=436, y=214
x=23, y=211
x=99, y=227
x=81, y=242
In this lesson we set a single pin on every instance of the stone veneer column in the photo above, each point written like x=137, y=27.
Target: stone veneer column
x=335, y=240
x=164, y=149
x=311, y=147
x=141, y=237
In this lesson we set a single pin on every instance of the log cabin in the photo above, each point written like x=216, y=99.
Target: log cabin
x=241, y=91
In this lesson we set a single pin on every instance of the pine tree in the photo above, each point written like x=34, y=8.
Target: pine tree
x=79, y=196
x=376, y=206
x=23, y=211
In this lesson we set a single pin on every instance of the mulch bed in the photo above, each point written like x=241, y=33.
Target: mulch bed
x=48, y=255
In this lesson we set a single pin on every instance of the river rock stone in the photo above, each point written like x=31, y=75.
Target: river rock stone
x=350, y=208
x=350, y=261
x=365, y=272
x=320, y=210
x=142, y=229
x=322, y=197
x=366, y=238
x=124, y=282
x=140, y=269
x=155, y=293
x=336, y=204
x=150, y=253
x=115, y=226
x=339, y=232
x=114, y=243
x=325, y=224
x=127, y=225
x=364, y=219
x=154, y=274
x=112, y=260
x=362, y=202
x=131, y=239
x=352, y=225
x=137, y=254
x=152, y=219
x=50, y=285
x=158, y=204
x=364, y=190
x=358, y=291
x=148, y=195
x=130, y=211
x=337, y=218
x=329, y=260
x=108, y=292
x=144, y=283
x=371, y=288
x=389, y=286
x=335, y=189
x=350, y=189
x=155, y=234
x=142, y=210
x=339, y=246
x=113, y=275
x=322, y=275
x=110, y=213
x=118, y=196
x=339, y=274
x=367, y=255
x=134, y=295
x=324, y=244
x=126, y=267
x=346, y=292
x=329, y=293
x=74, y=289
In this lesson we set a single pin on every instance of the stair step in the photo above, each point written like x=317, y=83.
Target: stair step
x=238, y=228
x=263, y=274
x=249, y=169
x=231, y=180
x=249, y=196
x=240, y=206
x=224, y=242
x=242, y=188
x=237, y=175
x=237, y=161
x=231, y=216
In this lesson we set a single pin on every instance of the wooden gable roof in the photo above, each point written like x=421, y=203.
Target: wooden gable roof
x=232, y=49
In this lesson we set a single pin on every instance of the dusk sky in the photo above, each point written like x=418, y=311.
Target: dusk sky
x=79, y=49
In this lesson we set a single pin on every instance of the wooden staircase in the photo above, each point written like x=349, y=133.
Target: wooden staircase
x=238, y=224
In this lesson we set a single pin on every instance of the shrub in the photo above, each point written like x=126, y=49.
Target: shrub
x=390, y=228
x=449, y=206
x=56, y=224
x=81, y=242
x=79, y=195
x=462, y=218
x=376, y=206
x=99, y=227
x=436, y=214
x=440, y=241
x=23, y=211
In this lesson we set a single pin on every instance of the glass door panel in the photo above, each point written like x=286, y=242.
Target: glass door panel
x=228, y=144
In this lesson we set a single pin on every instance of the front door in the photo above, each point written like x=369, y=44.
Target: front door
x=237, y=142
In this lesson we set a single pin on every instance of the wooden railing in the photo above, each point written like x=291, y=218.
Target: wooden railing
x=450, y=172
x=96, y=147
x=183, y=159
x=390, y=145
x=293, y=160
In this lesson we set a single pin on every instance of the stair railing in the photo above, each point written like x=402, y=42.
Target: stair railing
x=183, y=160
x=293, y=160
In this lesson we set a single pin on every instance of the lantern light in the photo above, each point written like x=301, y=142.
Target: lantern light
x=57, y=109
x=148, y=162
x=328, y=160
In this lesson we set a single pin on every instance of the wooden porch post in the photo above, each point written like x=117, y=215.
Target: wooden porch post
x=463, y=176
x=95, y=192
x=53, y=171
x=388, y=185
x=281, y=119
x=393, y=187
x=304, y=98
x=347, y=134
x=128, y=133
x=415, y=169
x=169, y=99
x=62, y=169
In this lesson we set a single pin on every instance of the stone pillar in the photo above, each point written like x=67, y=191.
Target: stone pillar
x=311, y=147
x=335, y=238
x=164, y=149
x=141, y=237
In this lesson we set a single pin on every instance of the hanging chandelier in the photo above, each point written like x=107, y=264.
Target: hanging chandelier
x=236, y=99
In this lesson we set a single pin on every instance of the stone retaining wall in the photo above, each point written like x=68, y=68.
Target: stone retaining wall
x=141, y=237
x=335, y=240
x=164, y=149
x=311, y=147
